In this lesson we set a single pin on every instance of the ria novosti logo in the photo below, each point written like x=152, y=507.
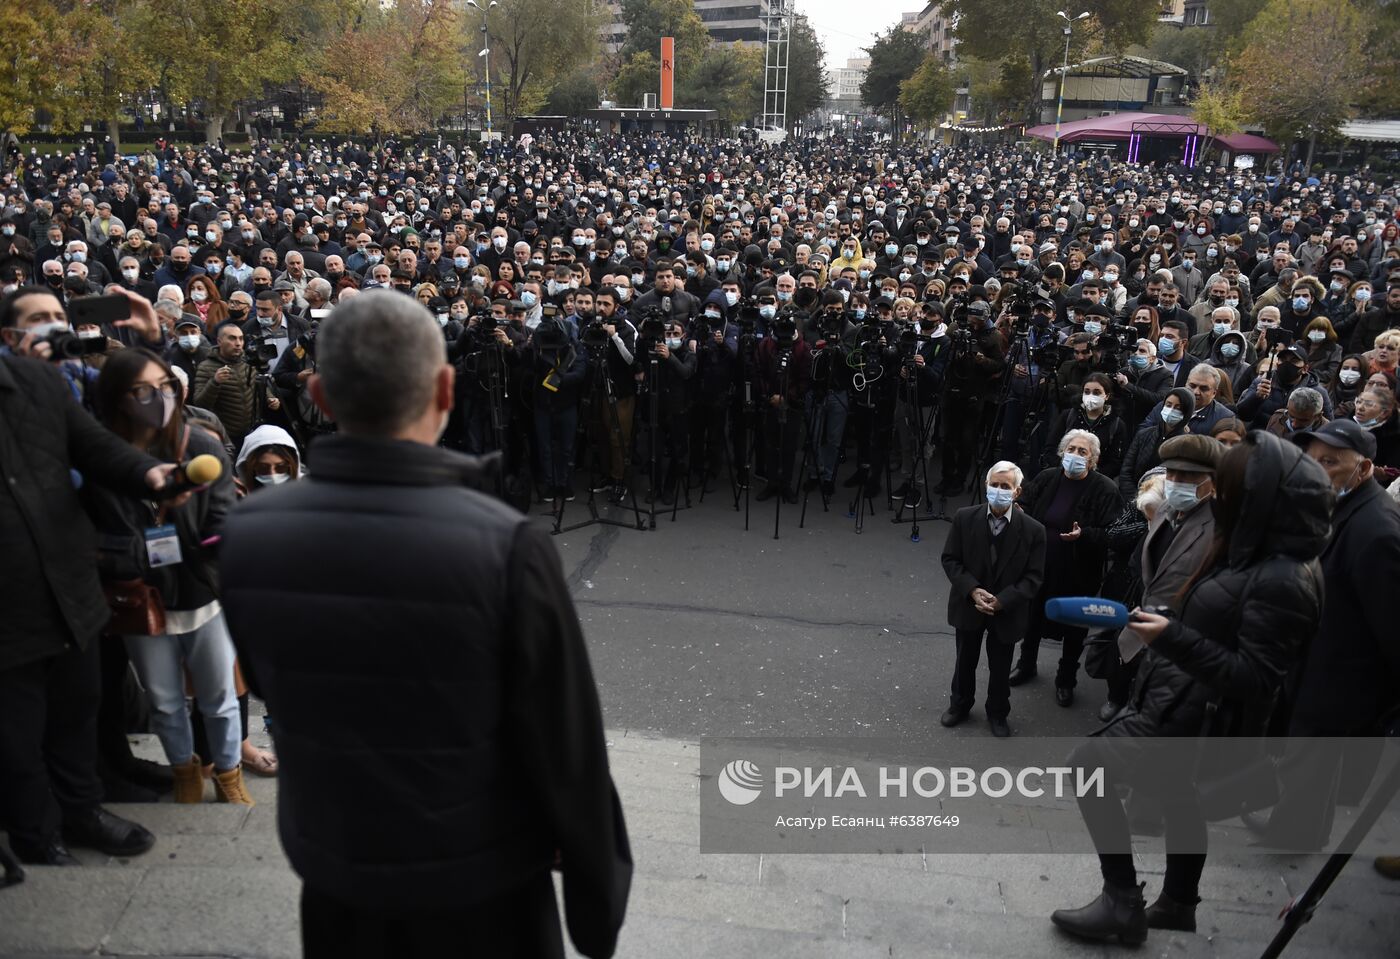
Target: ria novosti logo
x=740, y=782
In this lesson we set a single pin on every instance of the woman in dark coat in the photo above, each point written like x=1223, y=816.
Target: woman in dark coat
x=1076, y=504
x=1142, y=449
x=1245, y=616
x=1092, y=412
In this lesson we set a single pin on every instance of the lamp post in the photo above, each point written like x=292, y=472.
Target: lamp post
x=1064, y=70
x=486, y=55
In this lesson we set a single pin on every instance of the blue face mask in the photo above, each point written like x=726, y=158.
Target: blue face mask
x=1139, y=361
x=461, y=262
x=999, y=499
x=891, y=249
x=859, y=312
x=1229, y=350
x=1300, y=304
x=1172, y=416
x=1367, y=424
x=1074, y=464
x=1166, y=346
x=1092, y=327
x=528, y=298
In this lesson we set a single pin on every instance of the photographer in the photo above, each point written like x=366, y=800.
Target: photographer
x=1033, y=360
x=1248, y=610
x=976, y=362
x=784, y=374
x=715, y=369
x=50, y=684
x=921, y=359
x=831, y=387
x=619, y=365
x=669, y=363
x=272, y=326
x=227, y=385
x=1141, y=385
x=555, y=369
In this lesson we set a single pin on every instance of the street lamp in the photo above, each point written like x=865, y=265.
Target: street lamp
x=486, y=54
x=1064, y=69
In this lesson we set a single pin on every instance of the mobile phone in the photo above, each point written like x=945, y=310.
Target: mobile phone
x=98, y=310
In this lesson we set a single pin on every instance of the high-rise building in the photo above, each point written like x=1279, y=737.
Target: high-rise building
x=728, y=21
x=935, y=28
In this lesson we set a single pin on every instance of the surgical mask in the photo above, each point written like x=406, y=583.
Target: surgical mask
x=1093, y=401
x=190, y=343
x=198, y=295
x=1110, y=278
x=1181, y=496
x=1139, y=361
x=461, y=262
x=1220, y=329
x=673, y=343
x=528, y=298
x=1000, y=499
x=784, y=296
x=273, y=479
x=910, y=260
x=1233, y=302
x=1200, y=231
x=637, y=279
x=130, y=275
x=1349, y=377
x=1229, y=350
x=859, y=312
x=1166, y=346
x=154, y=414
x=1317, y=336
x=1300, y=303
x=1074, y=465
x=499, y=242
x=731, y=297
x=1367, y=424
x=711, y=317
x=1363, y=295
x=767, y=311
x=1172, y=416
x=1093, y=327
x=891, y=249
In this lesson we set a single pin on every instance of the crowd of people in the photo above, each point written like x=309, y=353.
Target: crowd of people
x=647, y=316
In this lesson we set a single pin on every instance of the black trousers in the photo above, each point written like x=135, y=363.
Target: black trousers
x=1153, y=775
x=1071, y=643
x=521, y=924
x=965, y=673
x=48, y=742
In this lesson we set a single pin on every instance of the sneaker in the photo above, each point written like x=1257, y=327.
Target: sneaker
x=900, y=493
x=914, y=498
x=619, y=493
x=567, y=492
x=601, y=486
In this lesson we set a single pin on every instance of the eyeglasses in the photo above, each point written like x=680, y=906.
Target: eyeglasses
x=146, y=393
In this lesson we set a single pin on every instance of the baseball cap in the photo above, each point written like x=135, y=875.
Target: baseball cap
x=1343, y=434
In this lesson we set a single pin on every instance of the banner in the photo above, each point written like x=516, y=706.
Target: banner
x=668, y=71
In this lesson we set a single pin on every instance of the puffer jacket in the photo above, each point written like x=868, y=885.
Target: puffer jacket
x=1243, y=625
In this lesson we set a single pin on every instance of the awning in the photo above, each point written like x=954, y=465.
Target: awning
x=1247, y=143
x=1377, y=131
x=1123, y=126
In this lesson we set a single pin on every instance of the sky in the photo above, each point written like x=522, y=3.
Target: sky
x=845, y=26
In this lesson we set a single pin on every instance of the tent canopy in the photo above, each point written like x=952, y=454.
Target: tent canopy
x=1122, y=126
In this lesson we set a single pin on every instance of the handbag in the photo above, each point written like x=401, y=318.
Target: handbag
x=137, y=607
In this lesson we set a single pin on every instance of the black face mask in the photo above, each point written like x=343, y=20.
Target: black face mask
x=333, y=278
x=179, y=267
x=1288, y=374
x=239, y=315
x=53, y=281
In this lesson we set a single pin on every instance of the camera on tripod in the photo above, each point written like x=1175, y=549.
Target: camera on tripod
x=260, y=353
x=651, y=331
x=595, y=336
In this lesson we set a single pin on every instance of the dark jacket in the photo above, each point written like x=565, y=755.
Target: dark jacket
x=1350, y=675
x=1109, y=428
x=122, y=522
x=1143, y=391
x=1164, y=575
x=47, y=544
x=1255, y=410
x=1142, y=456
x=1014, y=576
x=484, y=754
x=232, y=401
x=1243, y=625
x=1095, y=511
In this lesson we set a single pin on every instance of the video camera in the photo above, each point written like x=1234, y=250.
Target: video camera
x=259, y=353
x=67, y=345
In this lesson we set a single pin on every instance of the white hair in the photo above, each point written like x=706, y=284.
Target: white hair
x=1089, y=438
x=1151, y=347
x=1006, y=466
x=1151, y=492
x=171, y=291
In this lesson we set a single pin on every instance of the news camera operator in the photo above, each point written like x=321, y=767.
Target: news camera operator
x=715, y=371
x=50, y=685
x=555, y=369
x=834, y=335
x=669, y=363
x=976, y=363
x=1213, y=669
x=921, y=358
x=226, y=384
x=482, y=354
x=785, y=375
x=612, y=329
x=1141, y=385
x=1033, y=360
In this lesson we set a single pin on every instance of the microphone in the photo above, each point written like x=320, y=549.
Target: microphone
x=666, y=306
x=199, y=471
x=1093, y=612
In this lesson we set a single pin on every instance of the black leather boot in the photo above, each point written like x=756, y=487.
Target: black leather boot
x=1118, y=913
x=1167, y=913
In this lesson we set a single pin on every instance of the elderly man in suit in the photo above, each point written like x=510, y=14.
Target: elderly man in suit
x=1181, y=532
x=995, y=561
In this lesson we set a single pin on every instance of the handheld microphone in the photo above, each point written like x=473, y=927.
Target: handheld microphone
x=1093, y=612
x=199, y=471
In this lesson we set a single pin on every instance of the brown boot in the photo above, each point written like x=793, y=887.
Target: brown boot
x=188, y=782
x=229, y=787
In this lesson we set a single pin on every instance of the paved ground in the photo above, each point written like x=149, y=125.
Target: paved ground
x=702, y=629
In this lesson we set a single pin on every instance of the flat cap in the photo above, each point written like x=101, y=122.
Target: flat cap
x=1191, y=453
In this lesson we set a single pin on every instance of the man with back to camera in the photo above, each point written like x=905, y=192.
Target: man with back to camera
x=449, y=611
x=995, y=560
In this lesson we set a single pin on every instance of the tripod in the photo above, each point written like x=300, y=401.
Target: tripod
x=602, y=384
x=985, y=452
x=821, y=391
x=678, y=465
x=776, y=469
x=749, y=420
x=1301, y=910
x=863, y=382
x=922, y=430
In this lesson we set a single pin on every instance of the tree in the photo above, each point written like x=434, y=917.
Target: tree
x=927, y=94
x=638, y=77
x=650, y=20
x=574, y=95
x=47, y=65
x=894, y=57
x=807, y=84
x=1195, y=51
x=217, y=54
x=728, y=79
x=389, y=70
x=1218, y=108
x=992, y=29
x=995, y=89
x=1330, y=37
x=535, y=44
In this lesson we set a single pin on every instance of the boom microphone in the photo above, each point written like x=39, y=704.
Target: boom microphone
x=1093, y=612
x=200, y=471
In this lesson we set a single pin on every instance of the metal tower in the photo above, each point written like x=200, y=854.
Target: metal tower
x=778, y=21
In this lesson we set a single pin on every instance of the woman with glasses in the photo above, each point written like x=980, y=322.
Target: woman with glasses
x=172, y=550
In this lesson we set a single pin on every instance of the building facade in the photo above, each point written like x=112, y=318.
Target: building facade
x=728, y=21
x=935, y=28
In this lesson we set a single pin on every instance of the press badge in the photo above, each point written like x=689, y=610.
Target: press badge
x=163, y=546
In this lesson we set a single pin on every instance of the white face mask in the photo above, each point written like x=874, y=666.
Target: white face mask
x=198, y=296
x=273, y=479
x=1093, y=402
